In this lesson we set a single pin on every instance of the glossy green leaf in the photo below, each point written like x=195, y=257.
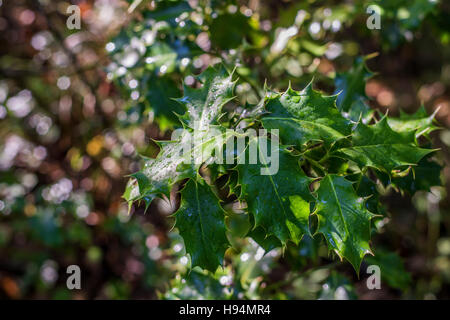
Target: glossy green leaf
x=421, y=177
x=238, y=28
x=343, y=219
x=279, y=203
x=391, y=267
x=305, y=116
x=199, y=285
x=204, y=105
x=380, y=147
x=337, y=287
x=176, y=161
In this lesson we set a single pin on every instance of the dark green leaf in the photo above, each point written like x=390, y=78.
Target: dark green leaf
x=305, y=116
x=380, y=147
x=278, y=202
x=200, y=220
x=343, y=219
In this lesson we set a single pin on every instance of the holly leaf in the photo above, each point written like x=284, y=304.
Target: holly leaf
x=204, y=104
x=260, y=236
x=278, y=202
x=181, y=158
x=168, y=11
x=426, y=175
x=380, y=147
x=420, y=122
x=305, y=116
x=343, y=219
x=200, y=220
x=421, y=177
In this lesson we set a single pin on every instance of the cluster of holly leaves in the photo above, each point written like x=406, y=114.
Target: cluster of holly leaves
x=335, y=154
